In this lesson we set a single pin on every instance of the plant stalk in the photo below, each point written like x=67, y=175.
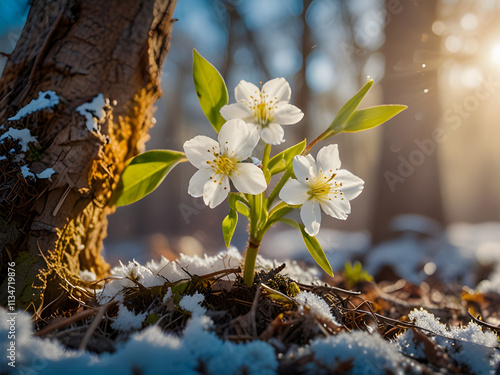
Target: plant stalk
x=250, y=258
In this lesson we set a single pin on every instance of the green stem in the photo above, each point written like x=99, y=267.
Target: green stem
x=278, y=187
x=250, y=257
x=265, y=157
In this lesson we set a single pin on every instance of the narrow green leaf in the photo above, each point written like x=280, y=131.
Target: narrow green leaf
x=210, y=88
x=371, y=117
x=143, y=174
x=228, y=226
x=312, y=245
x=346, y=111
x=276, y=213
x=283, y=160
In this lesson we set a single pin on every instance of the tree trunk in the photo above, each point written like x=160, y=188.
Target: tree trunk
x=408, y=177
x=53, y=229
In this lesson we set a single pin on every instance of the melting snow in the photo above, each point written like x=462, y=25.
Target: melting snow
x=318, y=306
x=26, y=172
x=127, y=320
x=368, y=353
x=47, y=173
x=22, y=135
x=92, y=111
x=47, y=99
x=468, y=346
x=193, y=304
x=156, y=273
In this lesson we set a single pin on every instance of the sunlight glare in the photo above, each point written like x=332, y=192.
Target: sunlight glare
x=495, y=53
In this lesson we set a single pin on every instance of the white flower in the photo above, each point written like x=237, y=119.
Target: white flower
x=321, y=183
x=219, y=161
x=266, y=109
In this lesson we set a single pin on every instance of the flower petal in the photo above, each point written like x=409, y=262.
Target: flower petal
x=216, y=190
x=197, y=182
x=200, y=149
x=294, y=192
x=304, y=167
x=287, y=114
x=337, y=207
x=310, y=213
x=272, y=134
x=277, y=89
x=236, y=110
x=351, y=186
x=248, y=178
x=244, y=90
x=237, y=140
x=328, y=160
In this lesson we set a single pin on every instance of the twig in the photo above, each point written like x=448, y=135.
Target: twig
x=95, y=323
x=72, y=319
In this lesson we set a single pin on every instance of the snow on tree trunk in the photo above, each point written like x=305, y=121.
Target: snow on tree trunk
x=102, y=61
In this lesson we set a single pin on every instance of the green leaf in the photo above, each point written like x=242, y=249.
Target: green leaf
x=238, y=204
x=143, y=174
x=228, y=226
x=312, y=245
x=211, y=90
x=283, y=160
x=346, y=112
x=371, y=117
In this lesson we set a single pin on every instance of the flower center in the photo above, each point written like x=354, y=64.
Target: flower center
x=223, y=165
x=323, y=186
x=262, y=113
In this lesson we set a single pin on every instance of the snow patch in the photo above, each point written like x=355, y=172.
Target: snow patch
x=316, y=304
x=26, y=172
x=22, y=135
x=47, y=173
x=3, y=157
x=468, y=346
x=149, y=352
x=193, y=304
x=87, y=275
x=127, y=320
x=368, y=354
x=47, y=99
x=93, y=111
x=156, y=273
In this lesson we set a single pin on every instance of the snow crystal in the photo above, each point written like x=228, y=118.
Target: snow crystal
x=92, y=111
x=369, y=353
x=87, y=275
x=47, y=173
x=193, y=304
x=318, y=306
x=22, y=135
x=47, y=99
x=26, y=172
x=468, y=346
x=127, y=320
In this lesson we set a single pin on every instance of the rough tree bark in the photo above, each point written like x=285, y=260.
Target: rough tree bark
x=78, y=48
x=409, y=179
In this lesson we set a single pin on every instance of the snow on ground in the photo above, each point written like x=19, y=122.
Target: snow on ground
x=93, y=111
x=152, y=351
x=468, y=346
x=420, y=249
x=156, y=273
x=47, y=99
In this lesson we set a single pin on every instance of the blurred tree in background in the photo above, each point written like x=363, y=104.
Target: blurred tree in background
x=438, y=57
